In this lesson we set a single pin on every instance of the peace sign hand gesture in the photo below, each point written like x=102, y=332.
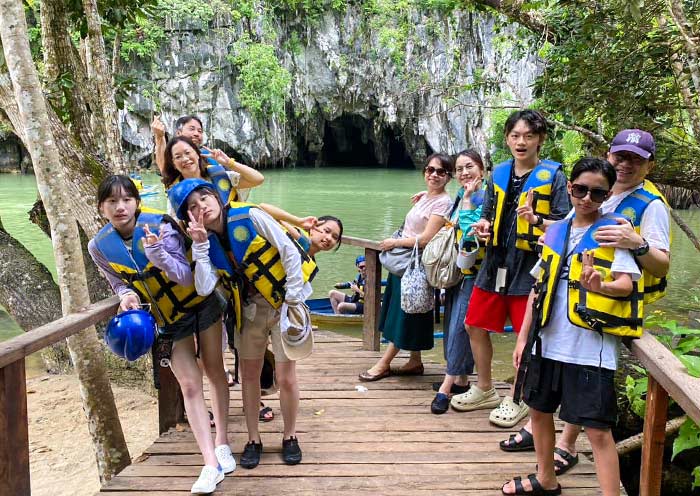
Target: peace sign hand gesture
x=590, y=277
x=151, y=238
x=527, y=212
x=218, y=155
x=196, y=228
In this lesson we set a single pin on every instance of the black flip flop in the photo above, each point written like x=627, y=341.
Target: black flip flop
x=560, y=468
x=263, y=411
x=537, y=489
x=527, y=443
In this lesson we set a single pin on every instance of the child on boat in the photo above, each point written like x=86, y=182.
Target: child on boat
x=143, y=257
x=586, y=297
x=352, y=304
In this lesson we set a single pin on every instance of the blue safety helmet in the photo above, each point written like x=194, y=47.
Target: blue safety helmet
x=359, y=259
x=179, y=193
x=131, y=334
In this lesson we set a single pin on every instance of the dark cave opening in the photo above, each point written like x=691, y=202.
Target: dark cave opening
x=347, y=143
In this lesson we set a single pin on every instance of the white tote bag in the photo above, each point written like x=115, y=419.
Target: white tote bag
x=416, y=293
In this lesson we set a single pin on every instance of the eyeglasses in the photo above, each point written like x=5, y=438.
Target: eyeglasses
x=430, y=170
x=598, y=195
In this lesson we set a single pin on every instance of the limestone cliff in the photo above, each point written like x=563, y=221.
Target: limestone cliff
x=350, y=100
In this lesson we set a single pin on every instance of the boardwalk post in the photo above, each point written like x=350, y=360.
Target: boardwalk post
x=654, y=439
x=14, y=431
x=373, y=292
x=171, y=408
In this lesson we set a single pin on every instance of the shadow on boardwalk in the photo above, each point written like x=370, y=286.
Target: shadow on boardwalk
x=382, y=441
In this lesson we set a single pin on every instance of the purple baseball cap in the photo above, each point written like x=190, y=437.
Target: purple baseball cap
x=635, y=141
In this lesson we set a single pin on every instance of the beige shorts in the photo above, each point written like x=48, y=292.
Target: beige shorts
x=252, y=339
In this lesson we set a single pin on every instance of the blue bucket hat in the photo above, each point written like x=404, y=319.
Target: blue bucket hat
x=179, y=193
x=359, y=259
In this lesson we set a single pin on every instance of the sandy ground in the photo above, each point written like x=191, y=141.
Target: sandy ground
x=60, y=450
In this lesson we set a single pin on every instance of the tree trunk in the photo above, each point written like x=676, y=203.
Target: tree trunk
x=85, y=171
x=61, y=58
x=677, y=12
x=98, y=402
x=97, y=59
x=30, y=295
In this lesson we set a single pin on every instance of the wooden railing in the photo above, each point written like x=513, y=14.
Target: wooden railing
x=373, y=291
x=14, y=438
x=667, y=377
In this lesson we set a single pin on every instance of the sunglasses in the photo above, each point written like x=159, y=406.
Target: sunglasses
x=432, y=170
x=598, y=195
x=361, y=266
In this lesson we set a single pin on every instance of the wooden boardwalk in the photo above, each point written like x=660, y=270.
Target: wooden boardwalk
x=380, y=441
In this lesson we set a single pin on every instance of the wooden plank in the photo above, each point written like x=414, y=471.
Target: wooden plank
x=380, y=441
x=361, y=242
x=281, y=484
x=654, y=439
x=344, y=470
x=373, y=291
x=670, y=373
x=14, y=430
x=25, y=344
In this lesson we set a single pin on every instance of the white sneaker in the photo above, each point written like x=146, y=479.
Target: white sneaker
x=208, y=480
x=225, y=458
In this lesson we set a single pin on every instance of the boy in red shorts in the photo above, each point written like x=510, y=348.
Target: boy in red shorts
x=504, y=281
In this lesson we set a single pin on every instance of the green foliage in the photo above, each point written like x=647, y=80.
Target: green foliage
x=635, y=390
x=610, y=63
x=310, y=10
x=264, y=82
x=688, y=438
x=142, y=38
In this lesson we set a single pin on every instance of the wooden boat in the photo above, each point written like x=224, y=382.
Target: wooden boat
x=322, y=315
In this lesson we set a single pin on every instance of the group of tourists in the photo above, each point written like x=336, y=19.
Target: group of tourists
x=571, y=281
x=215, y=263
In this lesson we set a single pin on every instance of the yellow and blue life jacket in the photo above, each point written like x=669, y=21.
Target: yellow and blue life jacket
x=621, y=316
x=468, y=245
x=152, y=285
x=540, y=180
x=633, y=207
x=220, y=180
x=255, y=256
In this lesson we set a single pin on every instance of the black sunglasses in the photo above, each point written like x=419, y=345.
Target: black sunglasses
x=432, y=170
x=598, y=195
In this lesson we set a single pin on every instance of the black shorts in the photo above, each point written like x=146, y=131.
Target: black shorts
x=359, y=307
x=208, y=312
x=586, y=393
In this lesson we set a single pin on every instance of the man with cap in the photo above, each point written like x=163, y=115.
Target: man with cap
x=647, y=236
x=354, y=304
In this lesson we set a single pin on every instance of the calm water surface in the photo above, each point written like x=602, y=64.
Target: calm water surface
x=371, y=203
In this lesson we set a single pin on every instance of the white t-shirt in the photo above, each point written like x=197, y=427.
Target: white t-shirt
x=656, y=224
x=565, y=342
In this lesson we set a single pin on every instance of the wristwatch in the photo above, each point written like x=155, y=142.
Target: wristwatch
x=642, y=249
x=540, y=220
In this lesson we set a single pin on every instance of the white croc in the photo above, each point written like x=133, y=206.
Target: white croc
x=225, y=458
x=508, y=413
x=208, y=479
x=475, y=399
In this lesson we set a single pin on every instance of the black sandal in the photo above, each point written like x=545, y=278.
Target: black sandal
x=560, y=468
x=527, y=443
x=262, y=416
x=537, y=489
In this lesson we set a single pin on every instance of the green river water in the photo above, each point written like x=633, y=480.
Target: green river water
x=371, y=204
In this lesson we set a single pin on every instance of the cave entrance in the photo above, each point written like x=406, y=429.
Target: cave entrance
x=351, y=141
x=347, y=142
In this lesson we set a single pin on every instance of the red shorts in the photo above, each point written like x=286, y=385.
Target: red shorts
x=489, y=310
